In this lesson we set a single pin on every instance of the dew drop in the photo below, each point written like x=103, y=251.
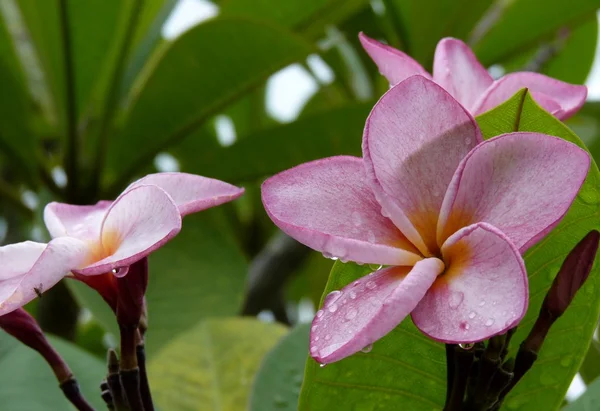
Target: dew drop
x=367, y=349
x=314, y=328
x=481, y=303
x=351, y=314
x=371, y=236
x=468, y=140
x=332, y=308
x=313, y=350
x=565, y=362
x=316, y=338
x=489, y=322
x=330, y=256
x=320, y=313
x=352, y=295
x=472, y=314
x=466, y=346
x=328, y=337
x=354, y=284
x=332, y=297
x=371, y=285
x=322, y=365
x=384, y=213
x=356, y=218
x=456, y=298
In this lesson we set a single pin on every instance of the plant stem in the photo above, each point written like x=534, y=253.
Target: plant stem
x=463, y=360
x=71, y=390
x=144, y=385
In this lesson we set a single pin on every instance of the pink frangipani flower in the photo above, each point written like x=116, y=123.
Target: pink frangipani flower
x=458, y=71
x=448, y=214
x=106, y=237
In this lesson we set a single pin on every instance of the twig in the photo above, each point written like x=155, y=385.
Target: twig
x=144, y=385
x=463, y=360
x=71, y=390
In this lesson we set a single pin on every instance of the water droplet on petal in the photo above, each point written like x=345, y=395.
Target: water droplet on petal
x=352, y=295
x=367, y=349
x=332, y=308
x=332, y=297
x=320, y=313
x=314, y=328
x=356, y=218
x=371, y=285
x=316, y=338
x=313, y=350
x=468, y=140
x=384, y=213
x=351, y=314
x=489, y=322
x=472, y=314
x=328, y=337
x=481, y=303
x=456, y=298
x=467, y=346
x=354, y=284
x=371, y=236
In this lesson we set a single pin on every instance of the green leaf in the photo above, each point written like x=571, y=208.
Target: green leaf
x=277, y=384
x=523, y=25
x=200, y=273
x=211, y=366
x=589, y=400
x=28, y=384
x=268, y=151
x=404, y=367
x=590, y=368
x=545, y=384
x=201, y=72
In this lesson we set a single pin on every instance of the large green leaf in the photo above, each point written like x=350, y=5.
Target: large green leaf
x=590, y=368
x=200, y=73
x=28, y=384
x=523, y=25
x=277, y=384
x=589, y=400
x=211, y=366
x=405, y=366
x=268, y=151
x=199, y=273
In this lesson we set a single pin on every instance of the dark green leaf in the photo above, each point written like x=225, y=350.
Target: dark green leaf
x=277, y=384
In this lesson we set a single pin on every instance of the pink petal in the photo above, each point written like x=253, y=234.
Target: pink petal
x=366, y=310
x=29, y=266
x=192, y=193
x=458, y=71
x=483, y=291
x=393, y=64
x=569, y=97
x=139, y=222
x=521, y=183
x=414, y=139
x=81, y=222
x=327, y=205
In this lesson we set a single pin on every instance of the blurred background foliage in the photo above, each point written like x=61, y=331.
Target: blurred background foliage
x=96, y=93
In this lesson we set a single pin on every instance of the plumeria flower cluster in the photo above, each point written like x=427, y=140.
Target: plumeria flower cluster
x=448, y=214
x=107, y=237
x=457, y=70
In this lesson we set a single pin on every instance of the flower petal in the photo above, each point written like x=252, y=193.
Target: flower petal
x=83, y=222
x=569, y=97
x=139, y=221
x=521, y=183
x=192, y=193
x=328, y=206
x=483, y=291
x=393, y=64
x=414, y=139
x=366, y=310
x=458, y=71
x=29, y=266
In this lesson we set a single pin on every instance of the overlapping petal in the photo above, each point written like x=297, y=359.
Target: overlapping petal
x=29, y=266
x=368, y=309
x=329, y=206
x=192, y=193
x=459, y=72
x=77, y=221
x=393, y=64
x=483, y=291
x=548, y=92
x=521, y=183
x=414, y=139
x=138, y=222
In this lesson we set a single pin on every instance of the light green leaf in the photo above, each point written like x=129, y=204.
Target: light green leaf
x=277, y=384
x=589, y=400
x=334, y=132
x=201, y=72
x=28, y=384
x=211, y=366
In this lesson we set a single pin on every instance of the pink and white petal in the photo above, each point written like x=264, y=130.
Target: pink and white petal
x=82, y=222
x=192, y=193
x=414, y=138
x=31, y=267
x=569, y=97
x=393, y=64
x=328, y=206
x=458, y=71
x=482, y=293
x=521, y=183
x=140, y=221
x=368, y=309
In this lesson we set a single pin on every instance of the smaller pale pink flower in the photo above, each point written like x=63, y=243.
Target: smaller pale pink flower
x=448, y=214
x=106, y=237
x=458, y=71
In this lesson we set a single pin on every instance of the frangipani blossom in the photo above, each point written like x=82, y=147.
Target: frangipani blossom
x=458, y=71
x=106, y=237
x=449, y=214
